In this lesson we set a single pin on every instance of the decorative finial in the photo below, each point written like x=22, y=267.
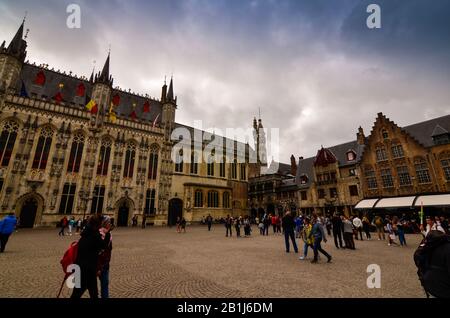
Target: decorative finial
x=26, y=34
x=109, y=49
x=25, y=17
x=259, y=112
x=165, y=77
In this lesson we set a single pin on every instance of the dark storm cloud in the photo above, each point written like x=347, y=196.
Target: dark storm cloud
x=313, y=67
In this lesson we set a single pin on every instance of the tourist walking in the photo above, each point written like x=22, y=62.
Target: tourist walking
x=79, y=222
x=183, y=225
x=391, y=231
x=337, y=230
x=89, y=247
x=261, y=227
x=273, y=219
x=307, y=239
x=401, y=231
x=357, y=223
x=228, y=225
x=279, y=224
x=71, y=225
x=379, y=224
x=7, y=227
x=237, y=226
x=348, y=233
x=298, y=226
x=178, y=223
x=105, y=256
x=63, y=223
x=319, y=234
x=431, y=226
x=209, y=220
x=366, y=227
x=328, y=224
x=247, y=226
x=289, y=228
x=144, y=221
x=267, y=221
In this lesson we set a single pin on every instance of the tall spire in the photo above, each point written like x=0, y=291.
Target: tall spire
x=164, y=91
x=170, y=93
x=104, y=76
x=18, y=46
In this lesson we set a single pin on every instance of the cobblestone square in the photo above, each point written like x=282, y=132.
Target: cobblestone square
x=158, y=262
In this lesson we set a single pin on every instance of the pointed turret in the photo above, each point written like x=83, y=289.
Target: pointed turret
x=17, y=47
x=104, y=76
x=164, y=92
x=170, y=92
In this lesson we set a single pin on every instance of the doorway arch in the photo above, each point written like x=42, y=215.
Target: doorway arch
x=124, y=208
x=29, y=209
x=175, y=211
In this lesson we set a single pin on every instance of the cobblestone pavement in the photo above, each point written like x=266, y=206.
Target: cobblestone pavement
x=158, y=262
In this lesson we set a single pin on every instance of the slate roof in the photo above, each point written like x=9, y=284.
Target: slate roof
x=424, y=131
x=51, y=88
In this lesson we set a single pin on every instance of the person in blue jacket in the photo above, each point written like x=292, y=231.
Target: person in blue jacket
x=7, y=226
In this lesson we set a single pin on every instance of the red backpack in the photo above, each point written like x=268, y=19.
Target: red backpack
x=70, y=257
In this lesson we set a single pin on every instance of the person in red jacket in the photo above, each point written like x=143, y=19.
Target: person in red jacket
x=274, y=224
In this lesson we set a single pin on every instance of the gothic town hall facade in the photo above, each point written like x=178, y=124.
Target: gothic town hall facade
x=59, y=159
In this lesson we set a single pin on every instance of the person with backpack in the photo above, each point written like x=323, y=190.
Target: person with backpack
x=307, y=239
x=105, y=257
x=378, y=222
x=63, y=223
x=432, y=259
x=90, y=245
x=7, y=227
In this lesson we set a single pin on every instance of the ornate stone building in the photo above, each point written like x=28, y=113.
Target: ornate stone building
x=57, y=158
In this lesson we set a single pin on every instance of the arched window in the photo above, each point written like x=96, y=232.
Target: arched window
x=7, y=141
x=194, y=163
x=226, y=200
x=43, y=148
x=213, y=199
x=179, y=161
x=198, y=200
x=76, y=152
x=98, y=197
x=150, y=202
x=40, y=78
x=153, y=163
x=130, y=157
x=103, y=159
x=67, y=198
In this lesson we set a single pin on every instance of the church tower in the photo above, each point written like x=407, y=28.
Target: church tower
x=259, y=136
x=12, y=58
x=101, y=94
x=168, y=110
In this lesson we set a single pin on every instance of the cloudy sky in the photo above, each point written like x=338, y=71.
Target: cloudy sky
x=313, y=67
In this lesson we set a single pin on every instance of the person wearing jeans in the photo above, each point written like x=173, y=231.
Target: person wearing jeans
x=337, y=230
x=318, y=233
x=289, y=231
x=309, y=241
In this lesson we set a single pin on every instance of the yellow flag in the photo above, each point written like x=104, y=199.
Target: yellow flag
x=90, y=105
x=112, y=114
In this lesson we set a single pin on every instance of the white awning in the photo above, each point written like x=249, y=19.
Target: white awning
x=433, y=200
x=366, y=204
x=397, y=202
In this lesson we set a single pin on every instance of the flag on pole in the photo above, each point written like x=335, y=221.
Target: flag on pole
x=421, y=212
x=23, y=90
x=156, y=119
x=92, y=107
x=112, y=114
x=146, y=107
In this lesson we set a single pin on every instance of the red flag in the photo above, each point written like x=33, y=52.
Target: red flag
x=81, y=89
x=133, y=115
x=146, y=107
x=58, y=97
x=116, y=99
x=94, y=109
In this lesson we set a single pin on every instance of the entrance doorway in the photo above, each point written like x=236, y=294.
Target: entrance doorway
x=122, y=217
x=28, y=213
x=175, y=211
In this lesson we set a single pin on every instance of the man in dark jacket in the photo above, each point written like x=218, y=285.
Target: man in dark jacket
x=209, y=220
x=318, y=233
x=337, y=230
x=89, y=247
x=436, y=279
x=7, y=226
x=289, y=227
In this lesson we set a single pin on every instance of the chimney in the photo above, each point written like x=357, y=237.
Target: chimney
x=293, y=166
x=360, y=136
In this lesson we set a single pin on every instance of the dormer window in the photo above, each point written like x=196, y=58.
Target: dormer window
x=304, y=179
x=351, y=155
x=441, y=139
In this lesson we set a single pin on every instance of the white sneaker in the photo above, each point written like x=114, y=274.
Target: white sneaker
x=389, y=244
x=301, y=258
